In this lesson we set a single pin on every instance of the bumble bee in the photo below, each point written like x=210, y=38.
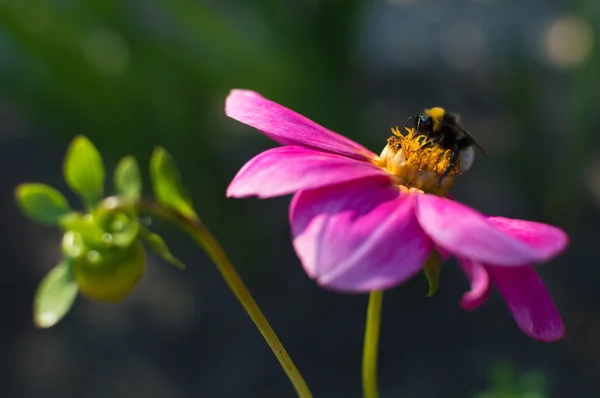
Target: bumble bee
x=443, y=129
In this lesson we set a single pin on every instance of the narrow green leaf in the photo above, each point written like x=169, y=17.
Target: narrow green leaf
x=84, y=170
x=128, y=183
x=432, y=268
x=55, y=296
x=167, y=183
x=158, y=246
x=42, y=203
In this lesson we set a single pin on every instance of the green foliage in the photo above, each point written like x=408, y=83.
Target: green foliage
x=102, y=230
x=84, y=170
x=103, y=256
x=42, y=203
x=166, y=181
x=505, y=382
x=158, y=246
x=55, y=296
x=127, y=180
x=86, y=226
x=432, y=269
x=121, y=229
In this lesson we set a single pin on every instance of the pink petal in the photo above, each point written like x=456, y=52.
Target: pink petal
x=466, y=233
x=529, y=302
x=358, y=236
x=480, y=284
x=287, y=127
x=284, y=170
x=545, y=238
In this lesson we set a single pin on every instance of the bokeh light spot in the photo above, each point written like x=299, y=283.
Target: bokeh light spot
x=568, y=41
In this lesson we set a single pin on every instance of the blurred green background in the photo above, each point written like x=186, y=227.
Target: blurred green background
x=133, y=74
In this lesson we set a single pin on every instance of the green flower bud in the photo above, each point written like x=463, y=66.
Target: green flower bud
x=105, y=273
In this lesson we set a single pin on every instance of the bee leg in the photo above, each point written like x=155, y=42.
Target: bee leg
x=451, y=163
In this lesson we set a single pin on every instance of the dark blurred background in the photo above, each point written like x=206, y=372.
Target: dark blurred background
x=132, y=74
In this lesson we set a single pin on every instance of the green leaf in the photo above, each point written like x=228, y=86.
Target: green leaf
x=432, y=268
x=84, y=170
x=158, y=246
x=128, y=183
x=167, y=183
x=42, y=203
x=55, y=296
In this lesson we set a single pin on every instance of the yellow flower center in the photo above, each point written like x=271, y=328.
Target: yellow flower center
x=416, y=163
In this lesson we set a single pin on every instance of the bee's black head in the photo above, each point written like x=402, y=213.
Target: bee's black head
x=423, y=123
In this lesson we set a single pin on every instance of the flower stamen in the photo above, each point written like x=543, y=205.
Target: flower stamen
x=414, y=161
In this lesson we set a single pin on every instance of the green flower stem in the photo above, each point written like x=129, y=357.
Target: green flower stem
x=369, y=370
x=194, y=227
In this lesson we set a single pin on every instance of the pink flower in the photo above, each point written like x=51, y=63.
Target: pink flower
x=362, y=222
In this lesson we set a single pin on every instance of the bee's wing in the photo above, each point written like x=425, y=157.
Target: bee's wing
x=465, y=132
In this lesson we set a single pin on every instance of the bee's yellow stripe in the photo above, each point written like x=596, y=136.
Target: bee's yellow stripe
x=437, y=114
